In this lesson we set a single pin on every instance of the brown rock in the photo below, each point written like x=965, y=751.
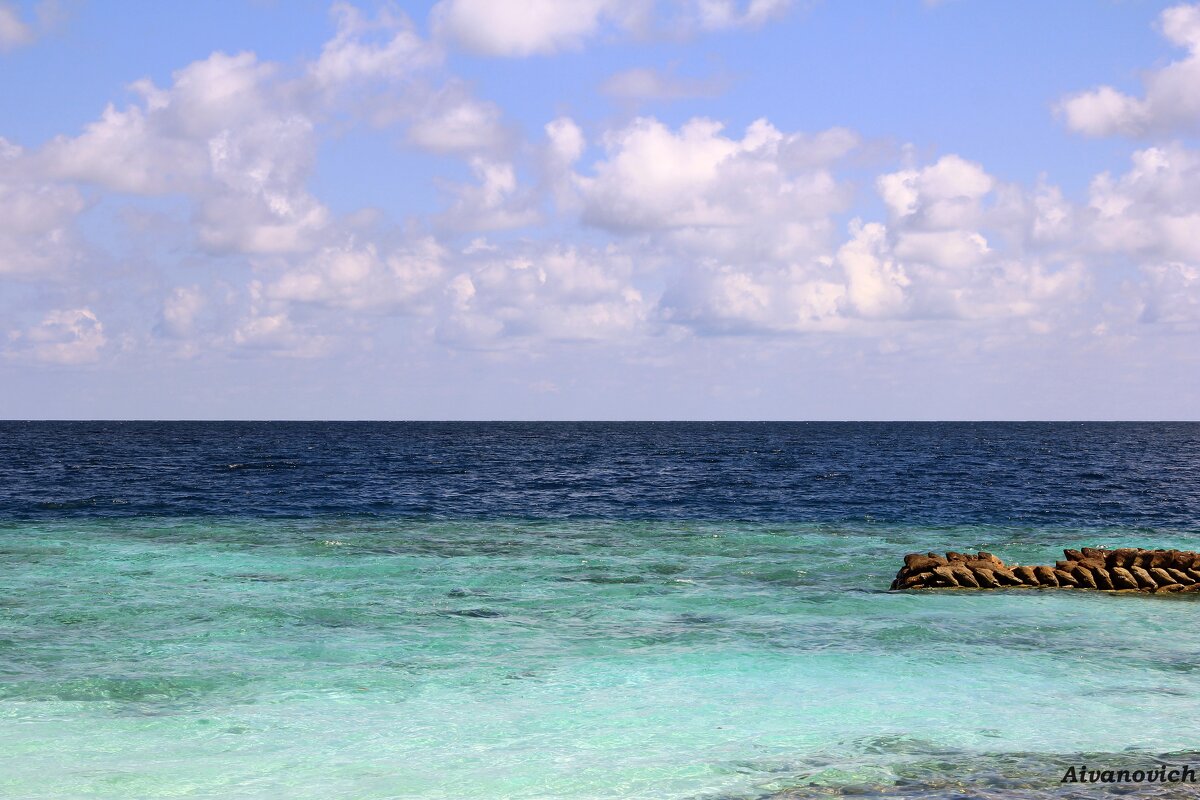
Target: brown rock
x=964, y=575
x=1180, y=576
x=986, y=578
x=1094, y=552
x=1184, y=559
x=1065, y=566
x=1006, y=576
x=1084, y=576
x=946, y=574
x=1170, y=587
x=1073, y=555
x=956, y=558
x=1195, y=587
x=1195, y=573
x=1145, y=581
x=915, y=581
x=1065, y=578
x=1046, y=576
x=1094, y=563
x=1161, y=576
x=986, y=556
x=922, y=563
x=1160, y=559
x=1142, y=559
x=1123, y=578
x=1121, y=557
x=1027, y=575
x=1103, y=578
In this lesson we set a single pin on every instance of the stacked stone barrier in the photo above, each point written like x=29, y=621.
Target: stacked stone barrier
x=1126, y=569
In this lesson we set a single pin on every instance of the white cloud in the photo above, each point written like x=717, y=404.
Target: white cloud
x=37, y=234
x=451, y=121
x=645, y=83
x=522, y=27
x=64, y=336
x=14, y=31
x=359, y=278
x=541, y=296
x=1153, y=210
x=497, y=202
x=726, y=299
x=537, y=27
x=1170, y=295
x=1170, y=102
x=180, y=311
x=655, y=178
x=718, y=14
x=351, y=57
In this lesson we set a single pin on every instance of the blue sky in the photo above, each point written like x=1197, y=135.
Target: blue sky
x=600, y=209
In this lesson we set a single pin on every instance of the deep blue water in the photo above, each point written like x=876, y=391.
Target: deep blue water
x=1133, y=475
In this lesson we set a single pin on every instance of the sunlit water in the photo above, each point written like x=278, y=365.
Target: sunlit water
x=390, y=656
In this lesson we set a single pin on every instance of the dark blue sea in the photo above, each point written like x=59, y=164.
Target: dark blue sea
x=581, y=610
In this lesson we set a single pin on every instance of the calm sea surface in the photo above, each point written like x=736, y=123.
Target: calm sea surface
x=559, y=611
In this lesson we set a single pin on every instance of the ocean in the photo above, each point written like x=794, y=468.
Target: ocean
x=582, y=610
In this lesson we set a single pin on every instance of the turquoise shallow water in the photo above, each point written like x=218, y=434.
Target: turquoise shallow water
x=364, y=658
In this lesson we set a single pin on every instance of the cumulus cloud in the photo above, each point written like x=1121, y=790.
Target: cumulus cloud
x=496, y=202
x=360, y=278
x=239, y=136
x=1153, y=210
x=1170, y=102
x=523, y=28
x=451, y=121
x=364, y=50
x=654, y=178
x=539, y=27
x=545, y=294
x=64, y=336
x=37, y=219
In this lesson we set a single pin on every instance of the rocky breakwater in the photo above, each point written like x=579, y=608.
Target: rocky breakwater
x=1126, y=569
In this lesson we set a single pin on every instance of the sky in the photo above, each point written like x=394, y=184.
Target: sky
x=600, y=209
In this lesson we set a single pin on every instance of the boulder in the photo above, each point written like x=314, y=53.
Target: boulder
x=1084, y=576
x=986, y=578
x=957, y=558
x=946, y=574
x=964, y=575
x=918, y=562
x=1161, y=576
x=1046, y=576
x=1180, y=576
x=1006, y=576
x=1170, y=587
x=1094, y=552
x=1073, y=555
x=1123, y=578
x=1103, y=578
x=1144, y=579
x=1195, y=573
x=1142, y=559
x=1121, y=557
x=1065, y=578
x=1160, y=559
x=1027, y=575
